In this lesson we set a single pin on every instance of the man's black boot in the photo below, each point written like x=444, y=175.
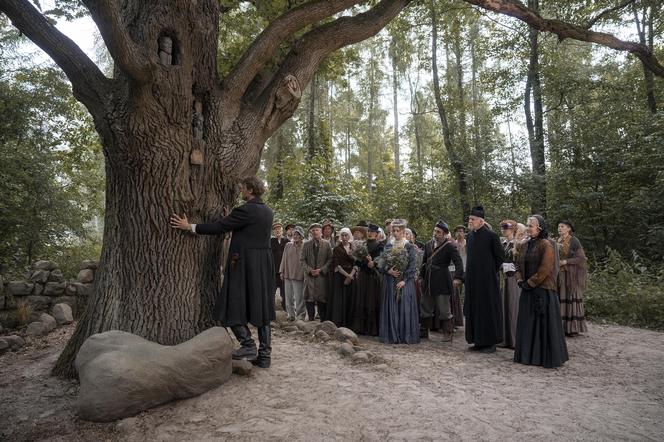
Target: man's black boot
x=425, y=325
x=247, y=348
x=264, y=349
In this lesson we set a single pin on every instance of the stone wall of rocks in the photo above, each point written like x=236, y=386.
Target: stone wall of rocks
x=45, y=286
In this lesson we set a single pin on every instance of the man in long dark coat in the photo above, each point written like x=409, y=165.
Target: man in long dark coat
x=247, y=293
x=482, y=304
x=437, y=282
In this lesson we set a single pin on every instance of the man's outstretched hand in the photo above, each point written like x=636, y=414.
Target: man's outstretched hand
x=180, y=223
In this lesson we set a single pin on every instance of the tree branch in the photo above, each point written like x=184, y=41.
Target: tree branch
x=607, y=12
x=125, y=53
x=264, y=46
x=564, y=30
x=280, y=98
x=88, y=83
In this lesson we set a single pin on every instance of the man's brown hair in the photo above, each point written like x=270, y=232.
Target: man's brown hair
x=253, y=185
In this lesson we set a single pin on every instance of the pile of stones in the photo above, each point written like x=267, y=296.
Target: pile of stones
x=44, y=288
x=342, y=339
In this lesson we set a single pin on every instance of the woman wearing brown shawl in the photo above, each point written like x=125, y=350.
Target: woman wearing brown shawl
x=539, y=332
x=340, y=304
x=571, y=280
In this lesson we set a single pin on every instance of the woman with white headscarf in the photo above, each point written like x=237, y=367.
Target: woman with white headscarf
x=340, y=303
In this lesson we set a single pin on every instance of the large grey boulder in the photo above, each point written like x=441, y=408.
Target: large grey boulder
x=122, y=374
x=62, y=314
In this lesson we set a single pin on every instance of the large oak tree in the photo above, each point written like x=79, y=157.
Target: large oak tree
x=176, y=136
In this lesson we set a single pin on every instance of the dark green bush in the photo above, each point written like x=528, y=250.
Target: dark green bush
x=626, y=292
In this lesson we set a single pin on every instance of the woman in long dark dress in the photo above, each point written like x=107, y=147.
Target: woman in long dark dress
x=340, y=304
x=399, y=315
x=367, y=287
x=539, y=331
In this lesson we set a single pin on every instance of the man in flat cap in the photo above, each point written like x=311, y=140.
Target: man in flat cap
x=437, y=284
x=482, y=304
x=316, y=258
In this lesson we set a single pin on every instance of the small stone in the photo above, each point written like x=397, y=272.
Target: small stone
x=327, y=326
x=281, y=316
x=89, y=264
x=62, y=314
x=69, y=300
x=290, y=328
x=86, y=276
x=38, y=289
x=15, y=342
x=45, y=265
x=361, y=356
x=346, y=349
x=242, y=367
x=306, y=327
x=56, y=276
x=4, y=346
x=345, y=334
x=321, y=335
x=48, y=321
x=54, y=288
x=70, y=289
x=39, y=276
x=381, y=367
x=36, y=329
x=19, y=288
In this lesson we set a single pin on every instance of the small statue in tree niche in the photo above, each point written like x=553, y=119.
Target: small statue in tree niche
x=166, y=50
x=198, y=120
x=196, y=157
x=288, y=89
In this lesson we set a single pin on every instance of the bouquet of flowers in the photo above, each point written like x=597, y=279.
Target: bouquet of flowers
x=360, y=251
x=397, y=258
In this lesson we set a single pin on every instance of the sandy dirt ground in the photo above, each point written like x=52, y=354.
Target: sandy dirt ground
x=611, y=389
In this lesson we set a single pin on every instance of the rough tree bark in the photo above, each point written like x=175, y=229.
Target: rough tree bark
x=176, y=138
x=644, y=26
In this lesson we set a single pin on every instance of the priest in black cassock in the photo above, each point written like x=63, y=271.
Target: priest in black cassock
x=247, y=293
x=482, y=305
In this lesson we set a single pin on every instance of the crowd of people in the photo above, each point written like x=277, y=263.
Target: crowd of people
x=521, y=289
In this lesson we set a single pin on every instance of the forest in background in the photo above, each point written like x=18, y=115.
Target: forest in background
x=502, y=116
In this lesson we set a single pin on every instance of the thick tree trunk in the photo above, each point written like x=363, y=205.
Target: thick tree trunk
x=535, y=125
x=395, y=107
x=646, y=22
x=456, y=164
x=166, y=152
